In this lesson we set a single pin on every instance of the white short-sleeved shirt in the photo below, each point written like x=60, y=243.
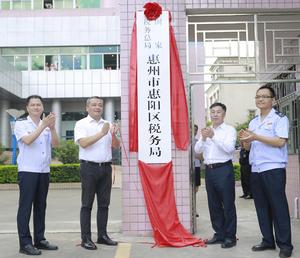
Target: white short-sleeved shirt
x=100, y=151
x=263, y=156
x=35, y=157
x=221, y=147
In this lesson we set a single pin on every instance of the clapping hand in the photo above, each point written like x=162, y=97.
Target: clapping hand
x=207, y=133
x=49, y=121
x=246, y=135
x=105, y=128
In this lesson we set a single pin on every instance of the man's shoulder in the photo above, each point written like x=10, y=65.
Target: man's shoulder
x=277, y=113
x=22, y=119
x=82, y=121
x=254, y=119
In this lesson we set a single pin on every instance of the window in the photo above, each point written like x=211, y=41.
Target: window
x=38, y=4
x=51, y=62
x=110, y=61
x=21, y=4
x=9, y=59
x=80, y=62
x=21, y=63
x=88, y=3
x=96, y=62
x=5, y=4
x=66, y=62
x=37, y=63
x=48, y=4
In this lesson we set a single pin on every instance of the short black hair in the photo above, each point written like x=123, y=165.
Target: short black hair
x=93, y=97
x=196, y=126
x=33, y=97
x=218, y=104
x=272, y=91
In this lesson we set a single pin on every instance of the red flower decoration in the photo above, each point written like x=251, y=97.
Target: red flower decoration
x=152, y=11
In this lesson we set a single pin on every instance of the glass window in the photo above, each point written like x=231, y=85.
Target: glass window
x=51, y=62
x=21, y=63
x=38, y=4
x=104, y=49
x=48, y=4
x=16, y=4
x=14, y=51
x=79, y=62
x=9, y=59
x=73, y=50
x=110, y=61
x=59, y=4
x=66, y=62
x=96, y=62
x=37, y=62
x=88, y=3
x=68, y=3
x=5, y=4
x=26, y=4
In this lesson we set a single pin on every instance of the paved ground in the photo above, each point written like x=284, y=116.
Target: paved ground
x=63, y=229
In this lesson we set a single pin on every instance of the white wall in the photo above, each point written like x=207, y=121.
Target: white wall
x=60, y=30
x=71, y=84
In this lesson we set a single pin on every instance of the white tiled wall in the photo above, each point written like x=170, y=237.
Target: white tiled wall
x=68, y=84
x=59, y=31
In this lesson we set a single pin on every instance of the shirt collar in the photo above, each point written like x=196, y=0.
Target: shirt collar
x=90, y=120
x=271, y=113
x=31, y=121
x=221, y=126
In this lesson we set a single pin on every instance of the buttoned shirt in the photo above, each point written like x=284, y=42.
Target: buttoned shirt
x=220, y=148
x=263, y=156
x=100, y=151
x=34, y=157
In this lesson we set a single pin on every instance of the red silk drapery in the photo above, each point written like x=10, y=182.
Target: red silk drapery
x=158, y=187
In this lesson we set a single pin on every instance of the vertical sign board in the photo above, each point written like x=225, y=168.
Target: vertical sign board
x=153, y=80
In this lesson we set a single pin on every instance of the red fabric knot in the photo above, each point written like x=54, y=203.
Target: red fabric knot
x=152, y=11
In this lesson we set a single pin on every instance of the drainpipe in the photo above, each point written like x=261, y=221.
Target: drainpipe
x=296, y=201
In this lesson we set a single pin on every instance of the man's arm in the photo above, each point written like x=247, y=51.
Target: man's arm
x=275, y=141
x=90, y=140
x=46, y=122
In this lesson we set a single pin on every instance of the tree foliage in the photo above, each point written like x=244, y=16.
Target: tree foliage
x=67, y=152
x=3, y=156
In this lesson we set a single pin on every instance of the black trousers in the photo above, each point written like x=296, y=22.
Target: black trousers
x=220, y=187
x=97, y=180
x=33, y=192
x=245, y=178
x=268, y=189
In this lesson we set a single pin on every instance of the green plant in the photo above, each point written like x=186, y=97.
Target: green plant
x=3, y=156
x=59, y=173
x=67, y=152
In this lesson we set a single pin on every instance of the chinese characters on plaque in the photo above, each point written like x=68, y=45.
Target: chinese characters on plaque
x=153, y=76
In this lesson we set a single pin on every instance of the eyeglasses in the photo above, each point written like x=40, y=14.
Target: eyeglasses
x=263, y=97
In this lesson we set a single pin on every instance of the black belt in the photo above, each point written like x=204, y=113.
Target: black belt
x=217, y=165
x=101, y=164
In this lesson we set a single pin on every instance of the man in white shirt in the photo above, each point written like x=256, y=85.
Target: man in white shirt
x=95, y=137
x=35, y=137
x=217, y=143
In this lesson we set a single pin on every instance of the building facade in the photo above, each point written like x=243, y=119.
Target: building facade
x=64, y=51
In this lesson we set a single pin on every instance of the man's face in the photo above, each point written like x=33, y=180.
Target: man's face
x=217, y=115
x=95, y=108
x=35, y=107
x=264, y=99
